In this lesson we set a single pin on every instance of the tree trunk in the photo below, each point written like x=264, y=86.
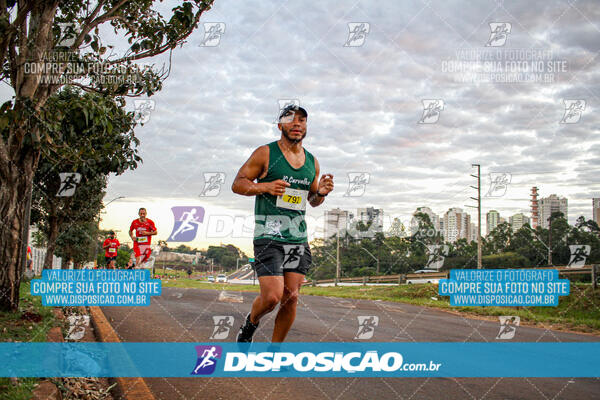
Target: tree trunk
x=18, y=159
x=53, y=229
x=17, y=177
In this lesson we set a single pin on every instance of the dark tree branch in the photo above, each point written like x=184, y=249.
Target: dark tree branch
x=91, y=23
x=165, y=47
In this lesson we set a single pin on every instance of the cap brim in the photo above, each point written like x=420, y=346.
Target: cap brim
x=286, y=111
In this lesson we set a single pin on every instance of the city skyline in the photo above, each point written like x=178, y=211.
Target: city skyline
x=163, y=208
x=319, y=228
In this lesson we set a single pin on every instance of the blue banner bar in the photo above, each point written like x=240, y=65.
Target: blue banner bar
x=300, y=359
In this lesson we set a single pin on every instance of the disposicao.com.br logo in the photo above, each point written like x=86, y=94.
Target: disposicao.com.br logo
x=323, y=362
x=299, y=362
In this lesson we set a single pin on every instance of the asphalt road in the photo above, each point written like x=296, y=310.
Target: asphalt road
x=186, y=315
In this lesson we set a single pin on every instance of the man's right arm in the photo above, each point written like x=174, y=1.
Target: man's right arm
x=253, y=168
x=131, y=229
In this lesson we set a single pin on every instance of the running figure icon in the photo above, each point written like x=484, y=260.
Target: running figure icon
x=207, y=361
x=366, y=326
x=189, y=221
x=68, y=183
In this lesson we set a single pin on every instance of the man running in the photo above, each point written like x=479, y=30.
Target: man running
x=286, y=179
x=144, y=229
x=111, y=244
x=29, y=259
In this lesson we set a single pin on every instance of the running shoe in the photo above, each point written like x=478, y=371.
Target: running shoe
x=247, y=330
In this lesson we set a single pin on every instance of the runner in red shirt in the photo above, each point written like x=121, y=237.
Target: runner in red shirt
x=110, y=246
x=144, y=229
x=29, y=259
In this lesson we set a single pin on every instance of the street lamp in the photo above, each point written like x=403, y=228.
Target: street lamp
x=116, y=198
x=337, y=252
x=375, y=258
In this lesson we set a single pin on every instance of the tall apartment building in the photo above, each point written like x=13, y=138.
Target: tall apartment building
x=492, y=219
x=596, y=210
x=372, y=215
x=473, y=233
x=518, y=220
x=337, y=219
x=551, y=204
x=457, y=225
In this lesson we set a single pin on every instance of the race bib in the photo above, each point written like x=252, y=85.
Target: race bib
x=112, y=250
x=293, y=199
x=142, y=239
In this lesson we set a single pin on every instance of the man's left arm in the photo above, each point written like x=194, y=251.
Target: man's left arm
x=153, y=231
x=319, y=188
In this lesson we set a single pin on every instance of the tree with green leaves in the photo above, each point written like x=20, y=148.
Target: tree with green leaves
x=503, y=248
x=524, y=243
x=464, y=248
x=182, y=248
x=586, y=232
x=560, y=231
x=72, y=216
x=396, y=229
x=587, y=225
x=498, y=239
x=75, y=243
x=226, y=256
x=47, y=44
x=96, y=139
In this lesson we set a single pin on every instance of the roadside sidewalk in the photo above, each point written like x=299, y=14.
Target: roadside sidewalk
x=74, y=327
x=127, y=388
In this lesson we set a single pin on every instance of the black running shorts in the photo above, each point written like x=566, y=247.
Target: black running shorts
x=273, y=258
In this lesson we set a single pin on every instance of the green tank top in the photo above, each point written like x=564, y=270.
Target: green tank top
x=284, y=222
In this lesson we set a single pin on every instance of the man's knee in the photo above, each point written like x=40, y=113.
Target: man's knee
x=289, y=298
x=271, y=300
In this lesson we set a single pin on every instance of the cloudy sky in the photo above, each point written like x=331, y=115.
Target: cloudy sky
x=365, y=100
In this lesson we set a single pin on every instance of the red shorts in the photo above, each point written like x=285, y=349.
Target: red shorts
x=141, y=249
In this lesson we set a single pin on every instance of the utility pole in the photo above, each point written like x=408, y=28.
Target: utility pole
x=337, y=253
x=329, y=222
x=478, y=198
x=550, y=240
